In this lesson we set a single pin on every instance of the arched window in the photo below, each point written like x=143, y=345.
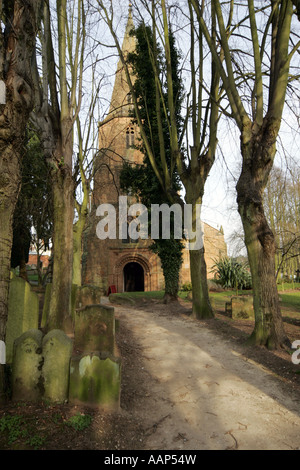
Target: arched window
x=129, y=137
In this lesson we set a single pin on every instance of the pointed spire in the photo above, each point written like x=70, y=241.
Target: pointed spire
x=121, y=89
x=129, y=41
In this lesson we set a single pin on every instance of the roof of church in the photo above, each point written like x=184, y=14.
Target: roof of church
x=121, y=88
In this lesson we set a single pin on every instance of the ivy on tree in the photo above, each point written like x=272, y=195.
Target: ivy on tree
x=141, y=180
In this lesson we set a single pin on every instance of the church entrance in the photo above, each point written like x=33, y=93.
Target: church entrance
x=133, y=277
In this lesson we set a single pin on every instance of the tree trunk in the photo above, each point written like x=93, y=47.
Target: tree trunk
x=9, y=187
x=201, y=303
x=258, y=152
x=17, y=39
x=60, y=315
x=260, y=243
x=78, y=249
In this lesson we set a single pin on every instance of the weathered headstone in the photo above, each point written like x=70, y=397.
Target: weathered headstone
x=57, y=351
x=88, y=295
x=95, y=329
x=242, y=307
x=95, y=381
x=26, y=366
x=23, y=312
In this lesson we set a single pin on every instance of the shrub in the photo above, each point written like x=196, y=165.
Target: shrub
x=232, y=274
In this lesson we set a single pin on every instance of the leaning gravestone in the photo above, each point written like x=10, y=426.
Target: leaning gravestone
x=26, y=366
x=23, y=312
x=57, y=351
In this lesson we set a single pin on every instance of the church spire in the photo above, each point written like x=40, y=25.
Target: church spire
x=121, y=89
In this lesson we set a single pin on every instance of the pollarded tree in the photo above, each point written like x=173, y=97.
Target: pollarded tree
x=256, y=84
x=17, y=41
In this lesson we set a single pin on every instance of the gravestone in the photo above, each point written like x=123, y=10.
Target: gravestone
x=88, y=295
x=57, y=351
x=95, y=329
x=41, y=365
x=23, y=312
x=95, y=381
x=242, y=307
x=26, y=366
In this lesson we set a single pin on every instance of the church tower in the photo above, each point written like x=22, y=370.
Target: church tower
x=124, y=264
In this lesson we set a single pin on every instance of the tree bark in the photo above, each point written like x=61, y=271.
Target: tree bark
x=63, y=203
x=201, y=303
x=17, y=46
x=258, y=150
x=78, y=248
x=202, y=308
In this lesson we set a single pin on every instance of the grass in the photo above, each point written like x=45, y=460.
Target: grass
x=79, y=422
x=290, y=299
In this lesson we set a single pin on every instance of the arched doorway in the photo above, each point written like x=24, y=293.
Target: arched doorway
x=133, y=277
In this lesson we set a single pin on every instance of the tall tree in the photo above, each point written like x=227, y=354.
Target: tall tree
x=193, y=168
x=257, y=97
x=58, y=103
x=17, y=41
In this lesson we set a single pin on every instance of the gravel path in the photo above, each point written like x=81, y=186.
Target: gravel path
x=196, y=392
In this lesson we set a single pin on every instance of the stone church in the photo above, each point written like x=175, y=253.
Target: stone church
x=120, y=265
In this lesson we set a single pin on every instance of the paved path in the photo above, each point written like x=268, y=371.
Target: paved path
x=201, y=394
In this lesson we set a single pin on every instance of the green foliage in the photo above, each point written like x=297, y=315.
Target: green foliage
x=186, y=287
x=36, y=442
x=79, y=422
x=170, y=253
x=17, y=429
x=13, y=426
x=141, y=180
x=232, y=274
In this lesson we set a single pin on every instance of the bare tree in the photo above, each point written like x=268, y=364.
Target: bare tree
x=255, y=79
x=61, y=81
x=203, y=112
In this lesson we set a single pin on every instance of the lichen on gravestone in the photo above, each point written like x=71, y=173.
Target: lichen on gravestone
x=57, y=351
x=26, y=366
x=95, y=329
x=95, y=380
x=23, y=312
